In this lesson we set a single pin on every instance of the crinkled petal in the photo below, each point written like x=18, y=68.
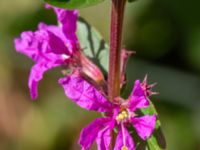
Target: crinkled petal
x=32, y=44
x=84, y=94
x=68, y=20
x=137, y=99
x=124, y=139
x=40, y=45
x=89, y=133
x=104, y=137
x=55, y=29
x=57, y=40
x=36, y=75
x=144, y=125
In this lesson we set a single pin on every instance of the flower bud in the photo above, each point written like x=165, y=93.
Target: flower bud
x=89, y=69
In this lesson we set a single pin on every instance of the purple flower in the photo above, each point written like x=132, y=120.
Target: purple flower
x=118, y=116
x=50, y=46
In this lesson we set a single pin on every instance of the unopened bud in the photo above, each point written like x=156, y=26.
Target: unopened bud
x=89, y=69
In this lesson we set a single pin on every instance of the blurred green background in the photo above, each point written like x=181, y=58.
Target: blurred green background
x=166, y=36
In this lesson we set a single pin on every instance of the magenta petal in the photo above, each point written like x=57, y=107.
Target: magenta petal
x=36, y=75
x=56, y=45
x=137, y=99
x=68, y=20
x=144, y=125
x=85, y=94
x=37, y=45
x=69, y=27
x=57, y=40
x=104, y=137
x=32, y=44
x=89, y=133
x=124, y=139
x=56, y=30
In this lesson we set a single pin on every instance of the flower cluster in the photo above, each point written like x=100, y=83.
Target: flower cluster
x=118, y=115
x=57, y=45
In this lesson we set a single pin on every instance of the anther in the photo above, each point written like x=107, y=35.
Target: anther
x=123, y=112
x=121, y=116
x=124, y=148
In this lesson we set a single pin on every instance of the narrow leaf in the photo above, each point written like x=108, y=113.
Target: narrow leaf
x=157, y=140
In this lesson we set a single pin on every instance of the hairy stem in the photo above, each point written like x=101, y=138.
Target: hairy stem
x=117, y=15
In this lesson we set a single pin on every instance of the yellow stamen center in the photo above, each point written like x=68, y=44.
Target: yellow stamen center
x=124, y=148
x=122, y=116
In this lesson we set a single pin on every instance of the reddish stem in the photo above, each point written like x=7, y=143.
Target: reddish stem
x=117, y=15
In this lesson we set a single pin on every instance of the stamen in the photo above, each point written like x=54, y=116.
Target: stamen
x=124, y=147
x=122, y=116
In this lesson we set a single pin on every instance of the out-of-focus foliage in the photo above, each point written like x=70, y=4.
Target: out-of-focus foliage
x=73, y=4
x=131, y=0
x=165, y=35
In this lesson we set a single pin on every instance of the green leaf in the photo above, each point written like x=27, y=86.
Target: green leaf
x=157, y=140
x=93, y=44
x=73, y=4
x=153, y=144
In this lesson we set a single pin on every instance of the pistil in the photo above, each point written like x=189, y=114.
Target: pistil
x=124, y=147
